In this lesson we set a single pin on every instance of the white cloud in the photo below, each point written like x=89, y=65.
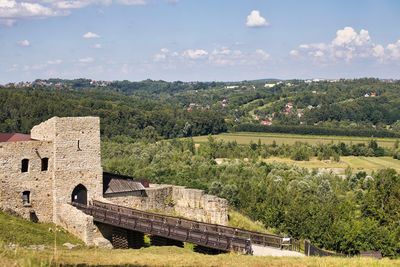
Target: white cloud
x=90, y=35
x=14, y=10
x=225, y=56
x=10, y=9
x=348, y=45
x=262, y=54
x=24, y=43
x=97, y=46
x=393, y=50
x=131, y=2
x=195, y=54
x=256, y=20
x=164, y=55
x=378, y=51
x=221, y=56
x=86, y=60
x=54, y=62
x=294, y=52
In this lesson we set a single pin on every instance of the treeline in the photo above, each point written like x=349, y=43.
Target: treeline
x=316, y=130
x=298, y=151
x=126, y=117
x=345, y=215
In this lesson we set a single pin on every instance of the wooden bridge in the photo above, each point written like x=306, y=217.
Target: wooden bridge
x=207, y=235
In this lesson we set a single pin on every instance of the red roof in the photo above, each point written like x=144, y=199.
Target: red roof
x=14, y=137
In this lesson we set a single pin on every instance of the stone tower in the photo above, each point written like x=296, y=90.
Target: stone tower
x=76, y=160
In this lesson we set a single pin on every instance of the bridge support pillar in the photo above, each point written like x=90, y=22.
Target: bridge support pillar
x=162, y=241
x=124, y=239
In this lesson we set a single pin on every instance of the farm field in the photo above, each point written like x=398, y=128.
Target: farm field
x=268, y=138
x=367, y=164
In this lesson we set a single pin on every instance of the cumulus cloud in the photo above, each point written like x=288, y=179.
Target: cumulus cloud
x=164, y=55
x=86, y=60
x=348, y=45
x=24, y=43
x=90, y=35
x=97, y=46
x=393, y=50
x=195, y=54
x=262, y=54
x=255, y=20
x=13, y=10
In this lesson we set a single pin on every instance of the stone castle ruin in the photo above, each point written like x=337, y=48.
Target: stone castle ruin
x=60, y=163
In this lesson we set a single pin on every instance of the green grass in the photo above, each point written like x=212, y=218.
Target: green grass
x=367, y=164
x=19, y=231
x=24, y=233
x=268, y=138
x=238, y=220
x=169, y=256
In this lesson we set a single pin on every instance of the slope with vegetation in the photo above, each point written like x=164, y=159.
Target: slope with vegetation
x=24, y=234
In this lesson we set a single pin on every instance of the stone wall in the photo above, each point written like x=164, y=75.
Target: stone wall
x=177, y=200
x=13, y=182
x=196, y=205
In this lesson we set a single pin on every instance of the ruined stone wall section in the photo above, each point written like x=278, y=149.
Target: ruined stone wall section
x=177, y=200
x=13, y=182
x=77, y=223
x=196, y=205
x=45, y=131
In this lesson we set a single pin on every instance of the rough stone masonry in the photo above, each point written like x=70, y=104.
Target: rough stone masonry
x=61, y=160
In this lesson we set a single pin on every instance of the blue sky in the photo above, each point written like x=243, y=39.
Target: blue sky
x=204, y=40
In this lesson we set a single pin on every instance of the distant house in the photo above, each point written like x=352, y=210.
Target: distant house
x=300, y=113
x=366, y=95
x=269, y=85
x=288, y=108
x=266, y=122
x=232, y=86
x=373, y=94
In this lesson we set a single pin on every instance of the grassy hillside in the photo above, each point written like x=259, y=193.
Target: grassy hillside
x=238, y=220
x=268, y=138
x=21, y=232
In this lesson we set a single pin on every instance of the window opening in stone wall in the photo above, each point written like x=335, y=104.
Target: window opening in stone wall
x=26, y=198
x=24, y=165
x=45, y=164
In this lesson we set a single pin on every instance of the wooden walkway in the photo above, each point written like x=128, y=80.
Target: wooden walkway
x=204, y=234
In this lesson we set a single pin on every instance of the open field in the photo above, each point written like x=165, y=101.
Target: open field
x=268, y=138
x=168, y=256
x=367, y=164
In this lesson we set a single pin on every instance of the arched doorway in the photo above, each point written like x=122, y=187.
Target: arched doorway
x=79, y=195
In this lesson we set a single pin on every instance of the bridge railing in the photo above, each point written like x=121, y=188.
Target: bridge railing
x=255, y=237
x=120, y=218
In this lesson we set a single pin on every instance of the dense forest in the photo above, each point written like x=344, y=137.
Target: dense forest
x=128, y=116
x=348, y=215
x=364, y=107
